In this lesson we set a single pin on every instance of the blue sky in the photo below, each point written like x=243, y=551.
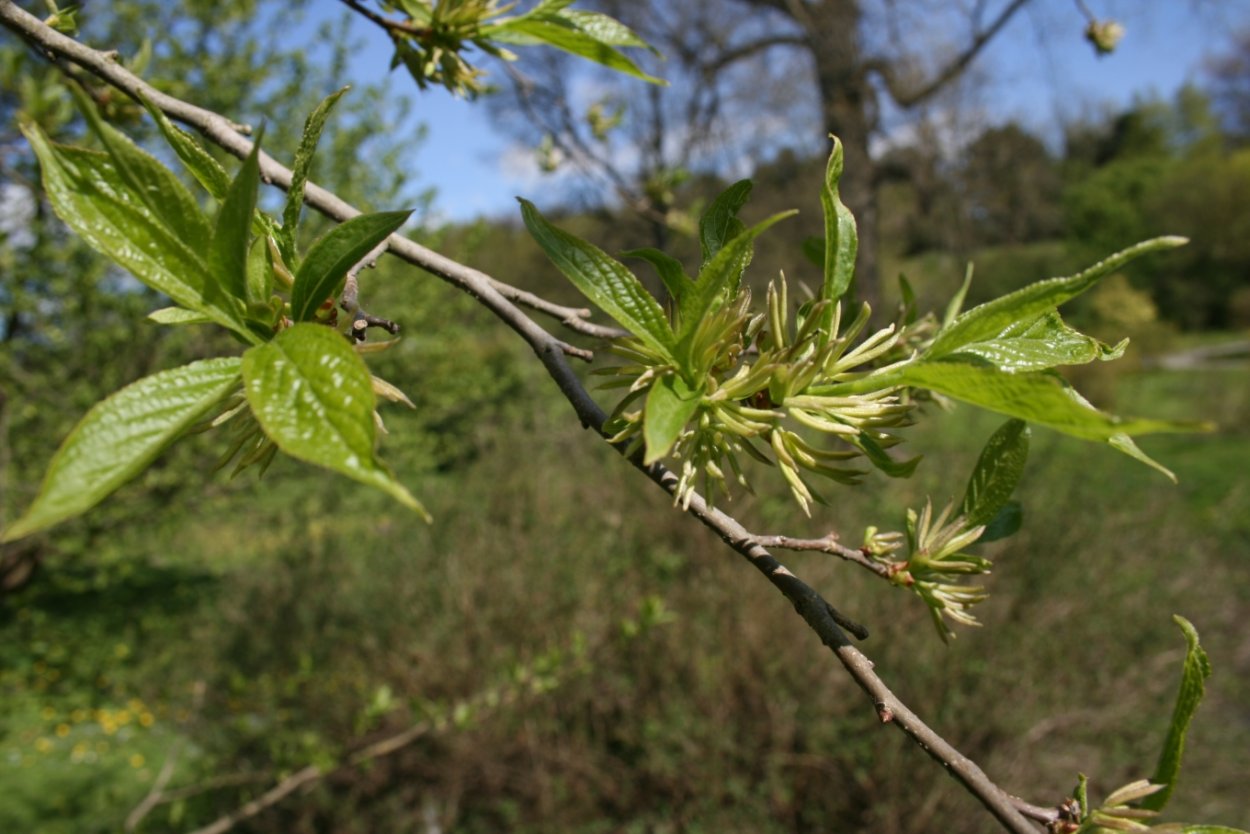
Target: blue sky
x=1045, y=72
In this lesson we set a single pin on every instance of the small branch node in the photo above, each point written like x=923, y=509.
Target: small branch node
x=884, y=712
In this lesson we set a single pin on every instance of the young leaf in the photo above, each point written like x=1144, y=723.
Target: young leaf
x=996, y=474
x=721, y=276
x=992, y=318
x=604, y=280
x=313, y=396
x=177, y=315
x=88, y=192
x=147, y=180
x=260, y=273
x=1194, y=673
x=1006, y=523
x=814, y=250
x=120, y=436
x=572, y=34
x=299, y=174
x=670, y=404
x=1045, y=342
x=908, y=298
x=670, y=270
x=606, y=29
x=1043, y=398
x=324, y=269
x=206, y=170
x=227, y=255
x=841, y=239
x=1124, y=443
x=719, y=223
x=881, y=459
x=956, y=304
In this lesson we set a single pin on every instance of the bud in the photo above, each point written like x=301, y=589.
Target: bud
x=1105, y=35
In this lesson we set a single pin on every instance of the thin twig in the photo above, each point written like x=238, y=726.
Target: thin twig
x=827, y=544
x=225, y=133
x=391, y=26
x=820, y=616
x=156, y=792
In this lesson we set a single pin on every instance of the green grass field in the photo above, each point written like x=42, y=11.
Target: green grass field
x=212, y=650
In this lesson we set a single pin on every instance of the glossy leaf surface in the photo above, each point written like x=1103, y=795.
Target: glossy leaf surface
x=227, y=256
x=720, y=222
x=299, y=173
x=1046, y=342
x=1194, y=673
x=997, y=472
x=841, y=237
x=606, y=282
x=121, y=436
x=987, y=321
x=89, y=193
x=325, y=267
x=314, y=398
x=670, y=404
x=206, y=170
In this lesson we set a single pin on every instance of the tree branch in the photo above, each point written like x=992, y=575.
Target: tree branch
x=820, y=616
x=392, y=27
x=747, y=50
x=828, y=544
x=224, y=133
x=908, y=98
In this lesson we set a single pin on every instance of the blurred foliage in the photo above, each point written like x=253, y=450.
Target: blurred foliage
x=331, y=619
x=64, y=308
x=239, y=633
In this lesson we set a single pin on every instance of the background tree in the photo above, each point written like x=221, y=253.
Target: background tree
x=440, y=654
x=744, y=67
x=64, y=308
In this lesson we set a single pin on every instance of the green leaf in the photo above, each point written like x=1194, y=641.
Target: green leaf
x=88, y=192
x=1045, y=342
x=177, y=315
x=1124, y=443
x=670, y=270
x=564, y=34
x=605, y=281
x=260, y=274
x=1194, y=673
x=721, y=276
x=227, y=255
x=881, y=459
x=206, y=170
x=814, y=250
x=841, y=239
x=121, y=436
x=1043, y=398
x=956, y=304
x=670, y=405
x=719, y=223
x=1006, y=523
x=992, y=318
x=908, y=297
x=299, y=174
x=606, y=29
x=147, y=180
x=325, y=267
x=1197, y=829
x=313, y=397
x=997, y=472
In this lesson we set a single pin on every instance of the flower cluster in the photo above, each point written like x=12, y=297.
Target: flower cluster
x=935, y=566
x=768, y=381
